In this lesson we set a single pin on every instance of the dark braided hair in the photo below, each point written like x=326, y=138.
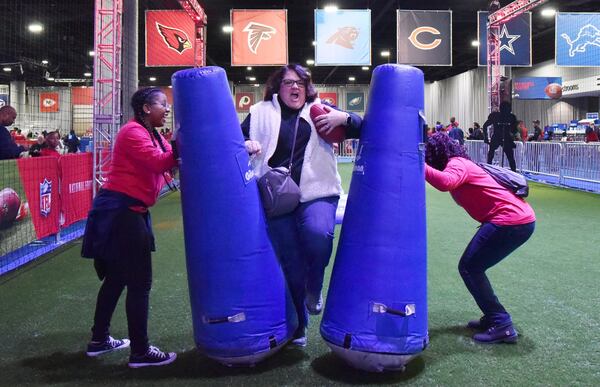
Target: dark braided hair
x=440, y=148
x=138, y=100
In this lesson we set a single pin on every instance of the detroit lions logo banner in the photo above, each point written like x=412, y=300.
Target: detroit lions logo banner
x=169, y=39
x=578, y=39
x=424, y=38
x=342, y=37
x=515, y=40
x=259, y=37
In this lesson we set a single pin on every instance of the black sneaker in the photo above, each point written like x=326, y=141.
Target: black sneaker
x=96, y=348
x=152, y=358
x=497, y=334
x=480, y=325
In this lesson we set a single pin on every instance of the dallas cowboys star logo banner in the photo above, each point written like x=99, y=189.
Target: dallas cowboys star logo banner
x=169, y=39
x=424, y=38
x=343, y=37
x=259, y=37
x=515, y=40
x=578, y=39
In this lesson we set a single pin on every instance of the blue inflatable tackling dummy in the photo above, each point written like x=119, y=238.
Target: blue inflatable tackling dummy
x=241, y=309
x=376, y=311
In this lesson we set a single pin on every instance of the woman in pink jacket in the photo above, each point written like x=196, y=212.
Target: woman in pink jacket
x=507, y=222
x=118, y=232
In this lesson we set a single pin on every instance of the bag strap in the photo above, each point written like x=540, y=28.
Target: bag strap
x=294, y=141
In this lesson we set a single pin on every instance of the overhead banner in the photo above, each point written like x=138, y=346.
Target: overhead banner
x=515, y=40
x=355, y=101
x=259, y=37
x=578, y=39
x=169, y=39
x=48, y=102
x=343, y=37
x=243, y=101
x=424, y=37
x=330, y=98
x=537, y=88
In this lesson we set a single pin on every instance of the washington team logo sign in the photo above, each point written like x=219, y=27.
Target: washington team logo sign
x=48, y=102
x=169, y=39
x=424, y=38
x=259, y=37
x=45, y=197
x=578, y=39
x=343, y=37
x=243, y=101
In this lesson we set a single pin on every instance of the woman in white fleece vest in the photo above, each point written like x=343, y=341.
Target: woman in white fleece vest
x=303, y=239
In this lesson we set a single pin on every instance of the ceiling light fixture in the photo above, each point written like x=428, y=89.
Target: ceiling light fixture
x=44, y=62
x=475, y=43
x=87, y=74
x=548, y=12
x=330, y=8
x=91, y=53
x=152, y=79
x=366, y=68
x=249, y=68
x=227, y=29
x=351, y=79
x=385, y=54
x=7, y=69
x=310, y=62
x=36, y=28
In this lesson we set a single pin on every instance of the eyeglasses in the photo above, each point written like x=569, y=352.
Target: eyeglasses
x=290, y=83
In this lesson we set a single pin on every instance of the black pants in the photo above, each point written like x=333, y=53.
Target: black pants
x=128, y=265
x=508, y=151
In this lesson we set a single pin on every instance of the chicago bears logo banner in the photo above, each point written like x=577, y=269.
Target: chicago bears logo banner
x=243, y=101
x=259, y=37
x=424, y=37
x=48, y=102
x=343, y=37
x=578, y=39
x=169, y=39
x=515, y=40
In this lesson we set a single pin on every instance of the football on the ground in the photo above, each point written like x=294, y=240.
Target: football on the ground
x=9, y=206
x=338, y=134
x=553, y=90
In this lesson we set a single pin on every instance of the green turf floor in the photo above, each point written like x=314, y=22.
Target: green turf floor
x=551, y=287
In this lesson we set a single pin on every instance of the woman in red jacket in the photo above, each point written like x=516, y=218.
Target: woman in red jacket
x=119, y=235
x=507, y=221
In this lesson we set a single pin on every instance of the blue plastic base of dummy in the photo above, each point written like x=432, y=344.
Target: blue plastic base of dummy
x=372, y=361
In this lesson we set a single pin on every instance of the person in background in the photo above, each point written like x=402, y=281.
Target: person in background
x=453, y=123
x=302, y=239
x=538, y=134
x=118, y=233
x=522, y=130
x=8, y=148
x=457, y=133
x=477, y=131
x=51, y=145
x=72, y=142
x=507, y=222
x=591, y=135
x=504, y=127
x=36, y=149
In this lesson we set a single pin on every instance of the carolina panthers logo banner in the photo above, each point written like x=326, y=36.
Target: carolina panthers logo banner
x=515, y=40
x=169, y=39
x=48, y=102
x=578, y=39
x=343, y=37
x=424, y=38
x=259, y=37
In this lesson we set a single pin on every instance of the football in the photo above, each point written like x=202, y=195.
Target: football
x=338, y=134
x=9, y=206
x=553, y=90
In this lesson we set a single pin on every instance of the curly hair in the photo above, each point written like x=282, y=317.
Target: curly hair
x=440, y=148
x=274, y=82
x=140, y=98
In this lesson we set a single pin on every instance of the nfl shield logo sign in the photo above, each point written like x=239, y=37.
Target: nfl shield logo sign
x=45, y=197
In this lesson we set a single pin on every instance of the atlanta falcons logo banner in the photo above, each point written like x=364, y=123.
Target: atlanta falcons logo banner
x=259, y=37
x=343, y=37
x=577, y=39
x=424, y=38
x=169, y=39
x=48, y=102
x=515, y=40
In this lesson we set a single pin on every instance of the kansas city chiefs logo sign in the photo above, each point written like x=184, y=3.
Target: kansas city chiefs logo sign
x=174, y=38
x=257, y=33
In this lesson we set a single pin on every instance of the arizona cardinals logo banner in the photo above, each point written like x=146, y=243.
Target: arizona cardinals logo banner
x=48, y=102
x=424, y=38
x=343, y=37
x=515, y=40
x=169, y=39
x=578, y=39
x=243, y=101
x=259, y=37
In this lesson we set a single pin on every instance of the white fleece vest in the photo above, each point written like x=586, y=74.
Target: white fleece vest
x=319, y=177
